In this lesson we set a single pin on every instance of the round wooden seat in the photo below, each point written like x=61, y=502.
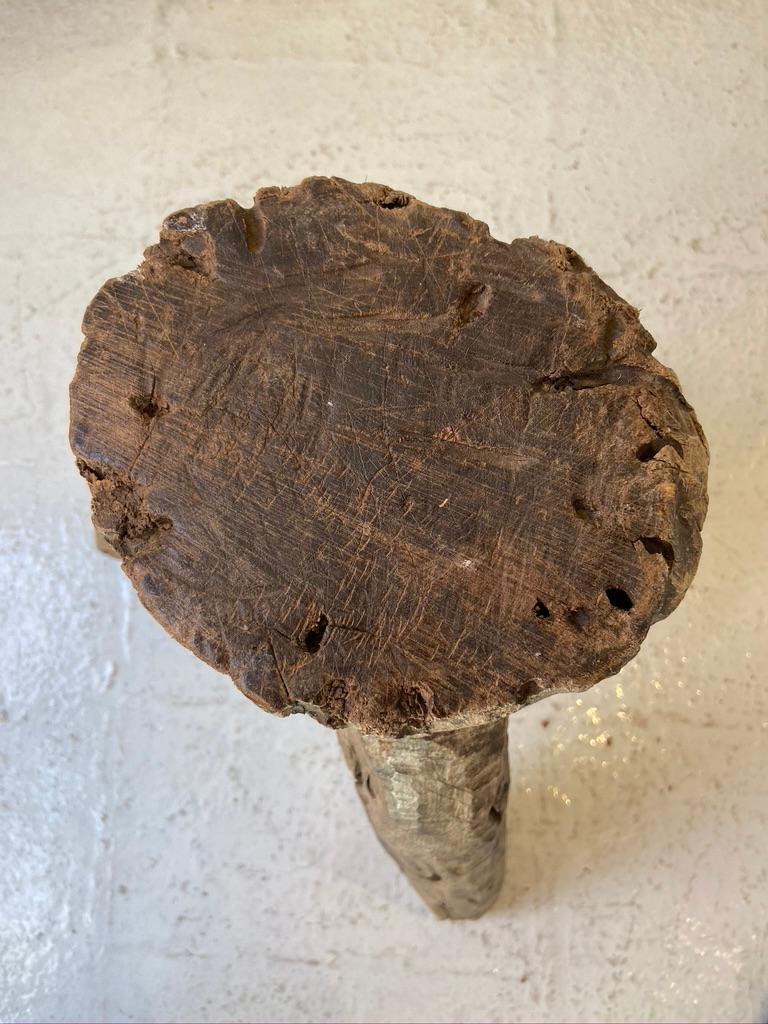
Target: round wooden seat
x=380, y=467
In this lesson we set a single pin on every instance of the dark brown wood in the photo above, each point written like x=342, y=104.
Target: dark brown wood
x=437, y=804
x=381, y=468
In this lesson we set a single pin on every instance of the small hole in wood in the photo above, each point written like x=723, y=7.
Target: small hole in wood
x=496, y=812
x=525, y=690
x=434, y=877
x=474, y=303
x=147, y=405
x=185, y=260
x=647, y=451
x=394, y=201
x=657, y=546
x=619, y=599
x=540, y=610
x=584, y=511
x=313, y=638
x=651, y=449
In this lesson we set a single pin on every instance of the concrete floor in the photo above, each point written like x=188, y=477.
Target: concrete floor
x=168, y=852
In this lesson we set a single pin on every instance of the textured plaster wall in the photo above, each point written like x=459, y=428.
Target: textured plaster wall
x=167, y=852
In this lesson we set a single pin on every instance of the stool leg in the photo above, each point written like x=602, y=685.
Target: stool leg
x=437, y=804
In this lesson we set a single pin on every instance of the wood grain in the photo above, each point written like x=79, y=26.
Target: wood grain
x=380, y=467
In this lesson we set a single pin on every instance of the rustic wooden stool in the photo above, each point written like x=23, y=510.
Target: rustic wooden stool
x=389, y=472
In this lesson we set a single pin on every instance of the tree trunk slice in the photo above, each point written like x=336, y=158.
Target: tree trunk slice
x=380, y=467
x=437, y=804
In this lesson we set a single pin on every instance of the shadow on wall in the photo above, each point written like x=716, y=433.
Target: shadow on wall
x=579, y=814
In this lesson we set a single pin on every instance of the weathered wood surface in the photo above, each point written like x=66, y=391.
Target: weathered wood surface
x=380, y=467
x=437, y=804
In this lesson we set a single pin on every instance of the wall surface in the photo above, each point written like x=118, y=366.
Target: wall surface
x=170, y=853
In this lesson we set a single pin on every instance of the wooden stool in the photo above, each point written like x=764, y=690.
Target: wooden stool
x=387, y=471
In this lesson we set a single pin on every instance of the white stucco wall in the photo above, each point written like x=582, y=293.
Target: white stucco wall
x=167, y=852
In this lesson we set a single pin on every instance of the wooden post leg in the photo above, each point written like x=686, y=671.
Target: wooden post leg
x=437, y=804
